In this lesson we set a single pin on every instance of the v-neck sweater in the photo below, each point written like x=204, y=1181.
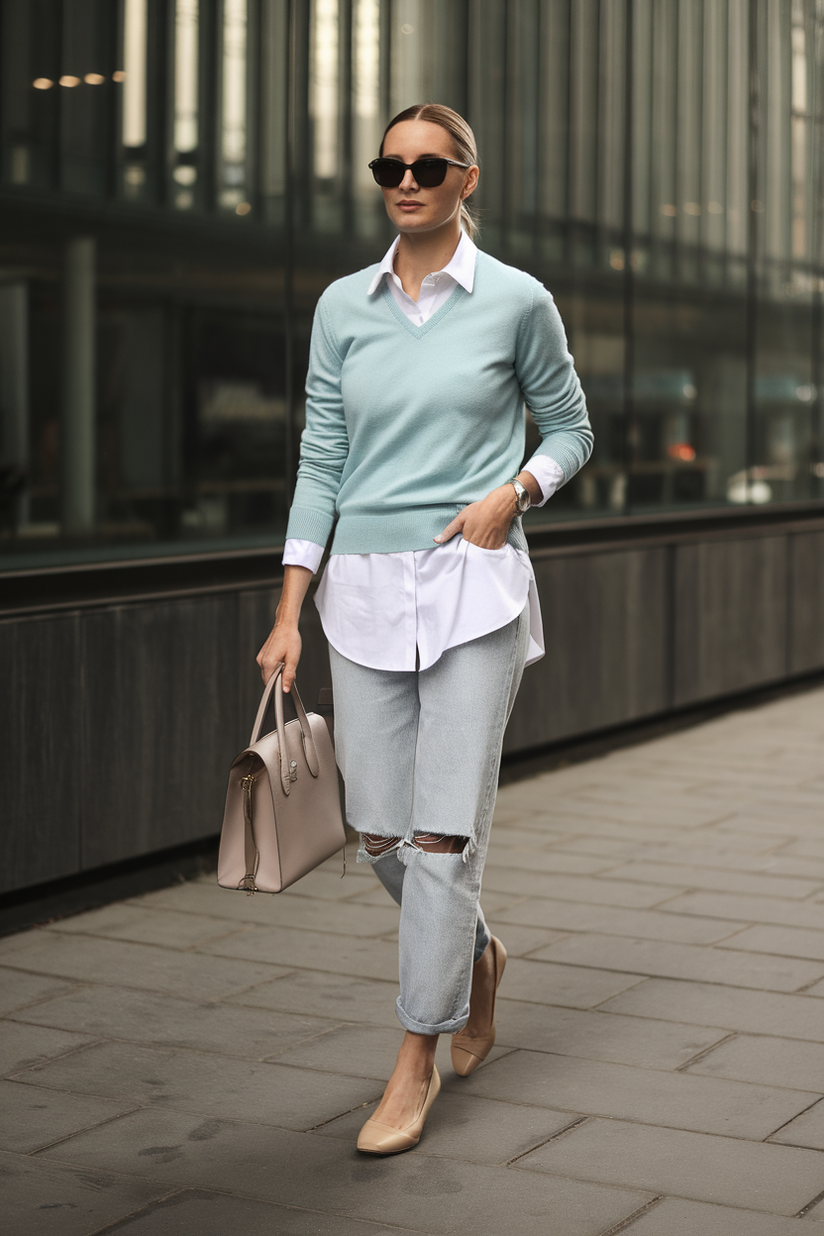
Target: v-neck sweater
x=406, y=425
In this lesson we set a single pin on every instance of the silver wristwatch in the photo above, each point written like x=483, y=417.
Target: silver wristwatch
x=522, y=499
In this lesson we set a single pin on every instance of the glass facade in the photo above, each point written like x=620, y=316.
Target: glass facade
x=179, y=179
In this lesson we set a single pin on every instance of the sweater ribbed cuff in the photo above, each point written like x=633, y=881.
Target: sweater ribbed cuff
x=306, y=524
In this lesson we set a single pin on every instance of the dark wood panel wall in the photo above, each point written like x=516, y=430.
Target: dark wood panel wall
x=119, y=720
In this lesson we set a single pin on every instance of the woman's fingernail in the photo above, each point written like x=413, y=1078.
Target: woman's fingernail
x=438, y=539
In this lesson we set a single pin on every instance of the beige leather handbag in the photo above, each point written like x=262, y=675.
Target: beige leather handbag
x=283, y=813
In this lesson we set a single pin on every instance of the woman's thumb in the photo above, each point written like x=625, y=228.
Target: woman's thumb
x=449, y=531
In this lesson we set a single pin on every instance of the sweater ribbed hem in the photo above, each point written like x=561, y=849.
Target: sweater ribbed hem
x=405, y=531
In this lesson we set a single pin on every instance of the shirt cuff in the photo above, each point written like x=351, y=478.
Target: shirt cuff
x=302, y=553
x=548, y=474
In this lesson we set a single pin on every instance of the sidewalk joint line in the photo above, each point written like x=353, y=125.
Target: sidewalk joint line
x=814, y=1103
x=701, y=1054
x=630, y=1219
x=575, y=1124
x=806, y=1209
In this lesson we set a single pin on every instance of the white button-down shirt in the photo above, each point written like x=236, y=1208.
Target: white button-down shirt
x=403, y=610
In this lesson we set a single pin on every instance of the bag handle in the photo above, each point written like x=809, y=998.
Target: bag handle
x=309, y=749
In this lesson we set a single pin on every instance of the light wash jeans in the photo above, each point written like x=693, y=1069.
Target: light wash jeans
x=420, y=752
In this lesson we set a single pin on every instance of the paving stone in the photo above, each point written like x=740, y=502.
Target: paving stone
x=351, y=1051
x=722, y=859
x=567, y=916
x=21, y=1046
x=685, y=961
x=617, y=783
x=782, y=941
x=208, y=1084
x=340, y=997
x=601, y=1036
x=18, y=991
x=817, y=989
x=314, y=913
x=144, y=1017
x=541, y=982
x=674, y=1217
x=807, y=847
x=49, y=1199
x=726, y=1170
x=34, y=1117
x=695, y=841
x=417, y=1191
x=534, y=835
x=726, y=881
x=680, y=1100
x=503, y=855
x=120, y=962
x=669, y=813
x=604, y=892
x=776, y=821
x=462, y=1126
x=124, y=921
x=771, y=1061
x=520, y=940
x=600, y=846
x=216, y=1214
x=806, y=1130
x=311, y=950
x=709, y=1004
x=736, y=906
x=205, y=897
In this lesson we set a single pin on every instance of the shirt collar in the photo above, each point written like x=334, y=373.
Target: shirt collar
x=461, y=266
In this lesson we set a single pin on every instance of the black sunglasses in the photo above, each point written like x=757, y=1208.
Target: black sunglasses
x=428, y=173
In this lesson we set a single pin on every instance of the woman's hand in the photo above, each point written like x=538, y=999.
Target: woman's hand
x=486, y=523
x=284, y=642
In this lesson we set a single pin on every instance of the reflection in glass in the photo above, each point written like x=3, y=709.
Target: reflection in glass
x=324, y=97
x=134, y=81
x=233, y=101
x=185, y=95
x=367, y=91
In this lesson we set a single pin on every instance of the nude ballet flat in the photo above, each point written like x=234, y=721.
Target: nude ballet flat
x=468, y=1051
x=377, y=1138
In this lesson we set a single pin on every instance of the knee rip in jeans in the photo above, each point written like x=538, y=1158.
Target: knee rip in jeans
x=428, y=843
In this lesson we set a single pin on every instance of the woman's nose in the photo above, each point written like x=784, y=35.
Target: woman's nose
x=409, y=181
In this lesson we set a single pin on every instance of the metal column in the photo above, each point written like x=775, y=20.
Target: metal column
x=14, y=386
x=77, y=436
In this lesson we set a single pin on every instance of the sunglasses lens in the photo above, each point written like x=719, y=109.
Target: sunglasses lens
x=429, y=173
x=388, y=173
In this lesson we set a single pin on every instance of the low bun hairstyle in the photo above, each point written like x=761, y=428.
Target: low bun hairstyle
x=463, y=140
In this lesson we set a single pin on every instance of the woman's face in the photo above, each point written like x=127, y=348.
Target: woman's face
x=413, y=209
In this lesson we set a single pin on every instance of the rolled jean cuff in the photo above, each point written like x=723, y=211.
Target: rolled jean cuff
x=482, y=939
x=452, y=1026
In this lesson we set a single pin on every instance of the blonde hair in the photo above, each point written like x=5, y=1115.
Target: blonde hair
x=463, y=140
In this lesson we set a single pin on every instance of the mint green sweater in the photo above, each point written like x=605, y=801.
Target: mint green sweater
x=405, y=425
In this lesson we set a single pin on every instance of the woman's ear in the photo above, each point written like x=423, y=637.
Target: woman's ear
x=470, y=183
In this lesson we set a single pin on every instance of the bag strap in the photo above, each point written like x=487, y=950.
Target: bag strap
x=309, y=750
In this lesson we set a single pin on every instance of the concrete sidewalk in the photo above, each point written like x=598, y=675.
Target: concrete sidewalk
x=196, y=1061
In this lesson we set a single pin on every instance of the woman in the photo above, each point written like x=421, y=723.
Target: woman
x=418, y=373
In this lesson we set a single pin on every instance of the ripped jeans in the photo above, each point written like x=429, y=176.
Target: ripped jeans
x=420, y=753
